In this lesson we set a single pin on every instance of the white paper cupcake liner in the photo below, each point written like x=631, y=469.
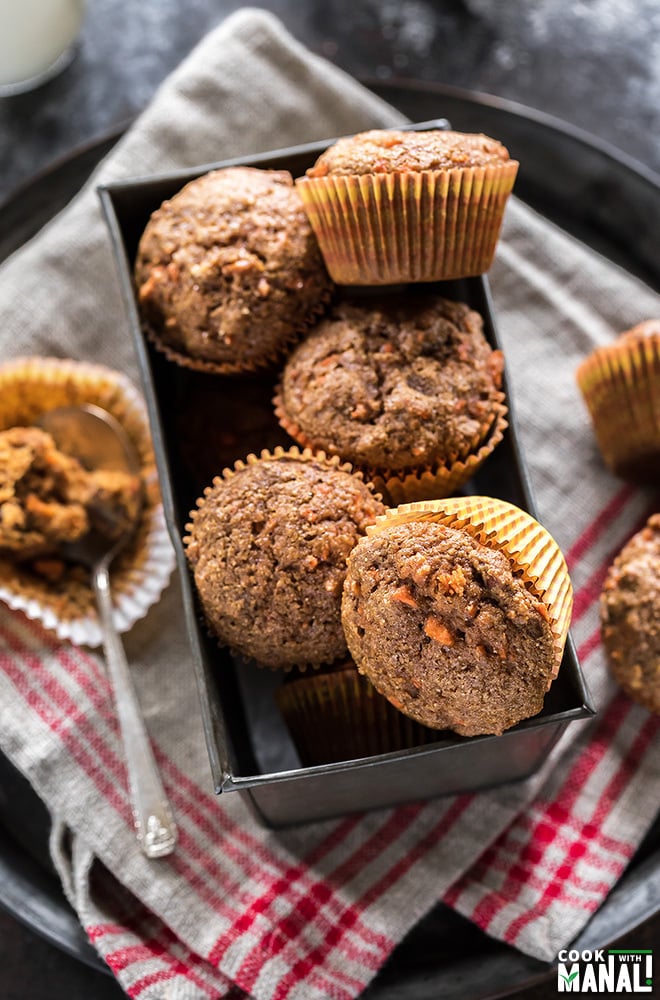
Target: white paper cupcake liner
x=30, y=387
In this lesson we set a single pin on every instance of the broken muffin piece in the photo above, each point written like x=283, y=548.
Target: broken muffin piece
x=48, y=500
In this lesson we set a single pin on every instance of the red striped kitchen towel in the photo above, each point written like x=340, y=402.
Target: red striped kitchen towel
x=311, y=913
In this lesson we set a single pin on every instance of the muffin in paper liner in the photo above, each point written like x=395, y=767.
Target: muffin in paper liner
x=534, y=555
x=428, y=225
x=428, y=482
x=278, y=660
x=228, y=271
x=620, y=384
x=268, y=360
x=30, y=387
x=336, y=714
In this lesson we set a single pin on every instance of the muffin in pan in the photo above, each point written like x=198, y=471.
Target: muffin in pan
x=620, y=383
x=630, y=616
x=267, y=546
x=457, y=611
x=394, y=206
x=53, y=590
x=228, y=271
x=334, y=713
x=404, y=386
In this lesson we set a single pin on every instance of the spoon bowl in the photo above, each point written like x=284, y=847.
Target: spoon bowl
x=99, y=442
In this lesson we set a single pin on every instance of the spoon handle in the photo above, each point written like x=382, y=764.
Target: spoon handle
x=154, y=824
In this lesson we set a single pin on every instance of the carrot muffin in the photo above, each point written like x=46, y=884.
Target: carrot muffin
x=268, y=546
x=630, y=616
x=393, y=383
x=392, y=205
x=620, y=383
x=444, y=629
x=47, y=499
x=228, y=271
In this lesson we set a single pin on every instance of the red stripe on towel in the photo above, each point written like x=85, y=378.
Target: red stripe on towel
x=306, y=966
x=491, y=904
x=589, y=833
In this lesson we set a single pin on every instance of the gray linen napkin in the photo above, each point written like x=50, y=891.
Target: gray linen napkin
x=313, y=912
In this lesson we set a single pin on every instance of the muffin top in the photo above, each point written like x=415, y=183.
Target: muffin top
x=394, y=382
x=228, y=270
x=268, y=549
x=389, y=151
x=630, y=616
x=443, y=628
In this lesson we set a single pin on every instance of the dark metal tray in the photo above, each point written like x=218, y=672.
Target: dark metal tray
x=249, y=749
x=444, y=955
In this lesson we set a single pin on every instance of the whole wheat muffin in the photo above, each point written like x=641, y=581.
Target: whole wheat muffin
x=442, y=627
x=391, y=206
x=228, y=271
x=630, y=616
x=394, y=383
x=268, y=548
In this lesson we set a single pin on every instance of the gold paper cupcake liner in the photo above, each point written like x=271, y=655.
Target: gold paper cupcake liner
x=339, y=715
x=239, y=367
x=265, y=455
x=534, y=555
x=620, y=384
x=379, y=229
x=30, y=387
x=429, y=482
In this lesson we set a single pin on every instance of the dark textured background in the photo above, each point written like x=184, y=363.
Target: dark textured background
x=594, y=63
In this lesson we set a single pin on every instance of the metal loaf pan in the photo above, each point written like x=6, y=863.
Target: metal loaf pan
x=202, y=423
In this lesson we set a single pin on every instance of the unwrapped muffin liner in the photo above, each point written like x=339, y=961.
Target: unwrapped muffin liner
x=534, y=555
x=431, y=225
x=620, y=384
x=278, y=453
x=339, y=715
x=30, y=387
x=428, y=482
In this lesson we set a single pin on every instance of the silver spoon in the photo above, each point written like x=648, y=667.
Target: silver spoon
x=98, y=441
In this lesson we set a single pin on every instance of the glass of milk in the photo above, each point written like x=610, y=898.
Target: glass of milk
x=36, y=41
